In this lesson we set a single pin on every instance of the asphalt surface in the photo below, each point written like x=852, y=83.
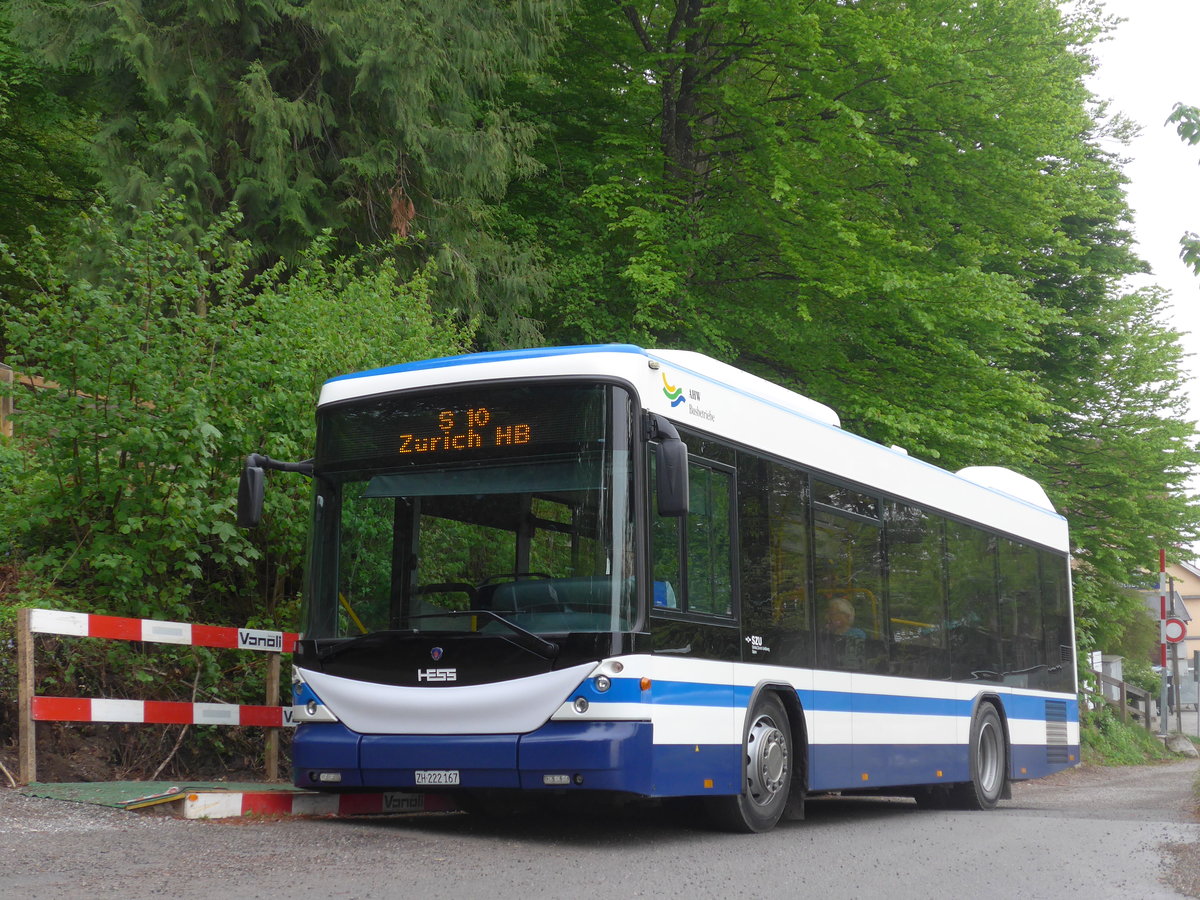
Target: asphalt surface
x=1094, y=833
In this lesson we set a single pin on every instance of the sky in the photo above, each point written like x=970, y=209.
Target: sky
x=1147, y=66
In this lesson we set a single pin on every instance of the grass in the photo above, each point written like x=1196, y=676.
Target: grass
x=1107, y=741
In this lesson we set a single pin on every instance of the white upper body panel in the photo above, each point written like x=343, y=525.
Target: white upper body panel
x=702, y=393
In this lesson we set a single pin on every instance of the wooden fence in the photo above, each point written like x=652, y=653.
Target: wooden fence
x=1131, y=703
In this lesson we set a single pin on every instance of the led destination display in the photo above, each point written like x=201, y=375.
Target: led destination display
x=484, y=424
x=460, y=432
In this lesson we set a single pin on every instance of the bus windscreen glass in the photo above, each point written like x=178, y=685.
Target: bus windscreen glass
x=513, y=499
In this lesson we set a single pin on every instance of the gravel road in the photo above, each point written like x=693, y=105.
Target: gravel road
x=63, y=850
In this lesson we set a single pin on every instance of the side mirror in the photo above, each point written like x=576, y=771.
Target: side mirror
x=250, y=488
x=671, y=465
x=670, y=468
x=250, y=494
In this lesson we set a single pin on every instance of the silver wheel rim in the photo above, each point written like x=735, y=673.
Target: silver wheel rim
x=767, y=761
x=988, y=758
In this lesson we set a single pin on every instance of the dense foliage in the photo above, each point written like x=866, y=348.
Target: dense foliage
x=159, y=371
x=45, y=131
x=371, y=119
x=900, y=208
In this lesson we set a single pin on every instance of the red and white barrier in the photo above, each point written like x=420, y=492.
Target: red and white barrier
x=53, y=621
x=158, y=712
x=213, y=805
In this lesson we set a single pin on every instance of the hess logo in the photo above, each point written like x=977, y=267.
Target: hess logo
x=438, y=675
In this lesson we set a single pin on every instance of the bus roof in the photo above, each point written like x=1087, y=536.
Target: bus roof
x=700, y=392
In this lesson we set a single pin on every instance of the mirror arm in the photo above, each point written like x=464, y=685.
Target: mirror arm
x=660, y=428
x=258, y=461
x=250, y=486
x=672, y=466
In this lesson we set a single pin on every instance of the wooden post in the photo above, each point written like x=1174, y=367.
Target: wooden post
x=26, y=727
x=6, y=402
x=1124, y=705
x=272, y=745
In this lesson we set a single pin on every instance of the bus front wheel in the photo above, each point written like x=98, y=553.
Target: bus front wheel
x=768, y=757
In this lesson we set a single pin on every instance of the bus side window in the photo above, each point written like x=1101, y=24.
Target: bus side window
x=693, y=568
x=664, y=553
x=709, y=542
x=847, y=565
x=773, y=537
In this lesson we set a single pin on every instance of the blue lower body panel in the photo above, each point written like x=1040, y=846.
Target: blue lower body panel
x=622, y=757
x=1034, y=762
x=847, y=767
x=597, y=756
x=610, y=756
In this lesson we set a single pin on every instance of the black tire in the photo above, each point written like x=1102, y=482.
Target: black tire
x=769, y=761
x=989, y=763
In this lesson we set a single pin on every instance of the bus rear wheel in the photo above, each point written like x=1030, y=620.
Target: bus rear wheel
x=989, y=763
x=768, y=757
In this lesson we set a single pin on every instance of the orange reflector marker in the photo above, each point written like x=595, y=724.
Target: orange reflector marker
x=708, y=783
x=645, y=683
x=1071, y=757
x=866, y=777
x=1024, y=771
x=939, y=773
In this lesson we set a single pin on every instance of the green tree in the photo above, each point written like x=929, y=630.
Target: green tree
x=898, y=208
x=163, y=367
x=372, y=118
x=1122, y=442
x=1186, y=120
x=845, y=197
x=45, y=135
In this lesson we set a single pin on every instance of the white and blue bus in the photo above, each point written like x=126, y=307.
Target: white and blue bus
x=648, y=573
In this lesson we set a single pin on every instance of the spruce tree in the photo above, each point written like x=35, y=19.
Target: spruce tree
x=372, y=118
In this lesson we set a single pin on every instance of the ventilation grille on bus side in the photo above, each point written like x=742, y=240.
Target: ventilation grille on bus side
x=1056, y=731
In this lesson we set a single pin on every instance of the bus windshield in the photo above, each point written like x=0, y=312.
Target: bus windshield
x=512, y=499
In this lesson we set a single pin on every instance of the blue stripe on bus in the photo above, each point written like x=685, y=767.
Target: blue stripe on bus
x=1020, y=706
x=687, y=693
x=465, y=359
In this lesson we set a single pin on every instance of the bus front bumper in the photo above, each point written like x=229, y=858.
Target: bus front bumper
x=598, y=756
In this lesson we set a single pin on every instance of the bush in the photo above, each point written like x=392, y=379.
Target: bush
x=1107, y=741
x=162, y=365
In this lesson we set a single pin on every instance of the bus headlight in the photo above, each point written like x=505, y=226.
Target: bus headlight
x=602, y=683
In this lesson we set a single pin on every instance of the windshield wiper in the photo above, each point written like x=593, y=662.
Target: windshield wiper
x=536, y=645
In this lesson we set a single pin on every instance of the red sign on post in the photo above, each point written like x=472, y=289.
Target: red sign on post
x=1174, y=630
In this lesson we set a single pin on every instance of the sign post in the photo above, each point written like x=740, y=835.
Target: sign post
x=1175, y=634
x=1196, y=678
x=1164, y=705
